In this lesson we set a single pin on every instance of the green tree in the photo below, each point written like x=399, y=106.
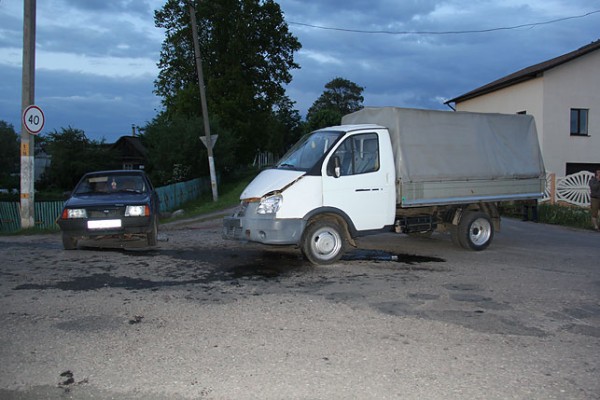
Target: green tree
x=176, y=153
x=9, y=156
x=73, y=154
x=340, y=97
x=247, y=53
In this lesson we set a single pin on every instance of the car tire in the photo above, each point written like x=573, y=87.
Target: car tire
x=69, y=242
x=323, y=242
x=152, y=235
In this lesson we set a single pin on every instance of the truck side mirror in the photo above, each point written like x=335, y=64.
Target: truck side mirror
x=334, y=167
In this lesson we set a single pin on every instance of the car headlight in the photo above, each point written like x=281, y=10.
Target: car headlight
x=137, y=211
x=74, y=213
x=270, y=204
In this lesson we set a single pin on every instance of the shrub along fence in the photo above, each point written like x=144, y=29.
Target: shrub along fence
x=46, y=212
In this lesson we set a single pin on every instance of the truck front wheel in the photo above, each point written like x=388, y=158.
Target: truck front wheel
x=475, y=230
x=324, y=242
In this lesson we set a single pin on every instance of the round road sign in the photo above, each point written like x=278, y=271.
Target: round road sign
x=33, y=119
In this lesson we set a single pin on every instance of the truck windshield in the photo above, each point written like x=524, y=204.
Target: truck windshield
x=308, y=151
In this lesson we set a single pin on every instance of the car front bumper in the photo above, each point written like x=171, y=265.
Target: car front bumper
x=78, y=227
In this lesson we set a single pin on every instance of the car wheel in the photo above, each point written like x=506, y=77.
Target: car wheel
x=475, y=230
x=324, y=242
x=153, y=233
x=69, y=242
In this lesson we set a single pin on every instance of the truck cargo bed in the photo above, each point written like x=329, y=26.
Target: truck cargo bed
x=444, y=157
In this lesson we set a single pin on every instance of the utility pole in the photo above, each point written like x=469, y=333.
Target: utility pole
x=27, y=99
x=208, y=141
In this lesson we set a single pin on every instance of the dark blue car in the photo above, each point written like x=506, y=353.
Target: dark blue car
x=110, y=204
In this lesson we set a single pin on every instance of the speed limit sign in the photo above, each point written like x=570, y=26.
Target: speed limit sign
x=33, y=119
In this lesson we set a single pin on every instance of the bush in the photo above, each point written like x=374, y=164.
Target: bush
x=555, y=214
x=565, y=215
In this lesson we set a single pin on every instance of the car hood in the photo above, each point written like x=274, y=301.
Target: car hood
x=113, y=199
x=268, y=181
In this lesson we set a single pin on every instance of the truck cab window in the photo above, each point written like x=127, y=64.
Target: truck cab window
x=358, y=154
x=308, y=151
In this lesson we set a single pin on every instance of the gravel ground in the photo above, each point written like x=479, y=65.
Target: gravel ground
x=202, y=318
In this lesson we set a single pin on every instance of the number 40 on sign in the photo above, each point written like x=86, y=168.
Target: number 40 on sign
x=33, y=119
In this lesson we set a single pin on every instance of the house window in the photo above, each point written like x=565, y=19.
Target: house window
x=579, y=122
x=573, y=168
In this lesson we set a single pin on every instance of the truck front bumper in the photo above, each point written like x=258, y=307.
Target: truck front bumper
x=266, y=229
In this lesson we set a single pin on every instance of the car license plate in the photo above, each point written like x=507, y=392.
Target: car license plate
x=104, y=224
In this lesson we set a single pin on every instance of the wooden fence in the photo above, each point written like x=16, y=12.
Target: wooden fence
x=46, y=212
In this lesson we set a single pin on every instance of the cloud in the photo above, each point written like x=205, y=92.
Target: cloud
x=419, y=70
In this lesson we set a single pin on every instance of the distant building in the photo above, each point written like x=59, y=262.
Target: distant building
x=563, y=95
x=131, y=152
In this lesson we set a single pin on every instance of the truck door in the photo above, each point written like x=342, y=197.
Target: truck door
x=356, y=182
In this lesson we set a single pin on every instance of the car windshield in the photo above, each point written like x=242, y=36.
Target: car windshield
x=308, y=151
x=104, y=184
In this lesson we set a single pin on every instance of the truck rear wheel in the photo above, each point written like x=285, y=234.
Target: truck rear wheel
x=475, y=230
x=324, y=242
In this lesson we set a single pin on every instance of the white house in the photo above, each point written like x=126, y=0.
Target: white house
x=563, y=95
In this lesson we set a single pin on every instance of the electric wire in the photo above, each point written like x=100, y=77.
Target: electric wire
x=386, y=32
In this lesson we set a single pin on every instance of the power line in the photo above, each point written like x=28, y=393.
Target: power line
x=384, y=32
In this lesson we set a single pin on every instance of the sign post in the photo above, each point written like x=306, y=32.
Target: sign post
x=207, y=136
x=32, y=120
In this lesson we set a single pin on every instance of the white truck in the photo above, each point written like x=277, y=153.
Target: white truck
x=392, y=169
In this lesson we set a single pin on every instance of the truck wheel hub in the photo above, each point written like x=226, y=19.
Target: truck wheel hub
x=325, y=243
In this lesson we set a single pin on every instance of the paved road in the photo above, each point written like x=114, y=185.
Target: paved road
x=201, y=318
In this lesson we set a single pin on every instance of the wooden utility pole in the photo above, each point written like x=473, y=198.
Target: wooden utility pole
x=27, y=99
x=208, y=141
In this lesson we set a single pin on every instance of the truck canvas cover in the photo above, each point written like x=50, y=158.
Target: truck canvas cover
x=452, y=157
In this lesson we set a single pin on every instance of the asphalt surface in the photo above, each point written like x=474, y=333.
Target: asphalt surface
x=399, y=318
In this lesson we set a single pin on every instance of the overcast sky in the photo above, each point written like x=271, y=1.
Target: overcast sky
x=96, y=59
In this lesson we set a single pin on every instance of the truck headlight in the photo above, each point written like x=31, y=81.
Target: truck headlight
x=270, y=204
x=137, y=211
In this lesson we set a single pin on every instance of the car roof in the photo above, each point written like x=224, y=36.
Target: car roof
x=117, y=172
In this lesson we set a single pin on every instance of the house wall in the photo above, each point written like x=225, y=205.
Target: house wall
x=549, y=99
x=572, y=85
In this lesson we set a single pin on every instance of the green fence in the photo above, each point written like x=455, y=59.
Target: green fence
x=172, y=196
x=10, y=216
x=46, y=212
